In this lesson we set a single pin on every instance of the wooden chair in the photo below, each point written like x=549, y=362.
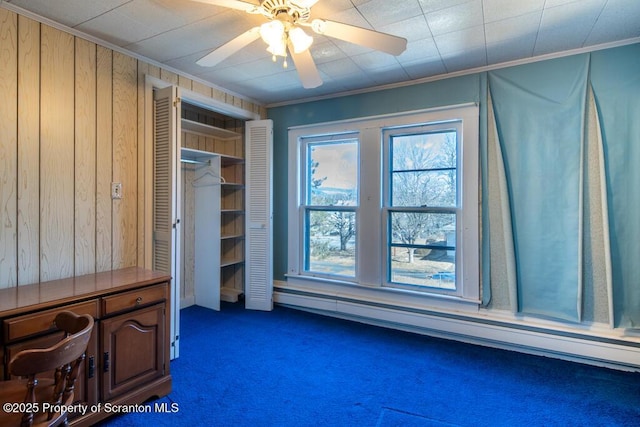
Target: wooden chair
x=32, y=395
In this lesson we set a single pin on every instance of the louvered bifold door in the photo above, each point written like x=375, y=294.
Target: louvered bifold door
x=259, y=254
x=164, y=193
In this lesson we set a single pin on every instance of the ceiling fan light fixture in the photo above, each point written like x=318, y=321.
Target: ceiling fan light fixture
x=300, y=40
x=284, y=35
x=272, y=33
x=278, y=49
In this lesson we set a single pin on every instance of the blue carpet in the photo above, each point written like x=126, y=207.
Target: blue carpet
x=392, y=418
x=290, y=368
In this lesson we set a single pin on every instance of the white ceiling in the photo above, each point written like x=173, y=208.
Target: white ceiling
x=444, y=37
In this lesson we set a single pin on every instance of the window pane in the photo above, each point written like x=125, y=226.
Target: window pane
x=420, y=261
x=424, y=170
x=424, y=151
x=430, y=267
x=332, y=173
x=330, y=242
x=424, y=188
x=434, y=229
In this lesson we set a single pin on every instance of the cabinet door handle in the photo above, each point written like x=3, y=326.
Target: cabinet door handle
x=92, y=366
x=105, y=361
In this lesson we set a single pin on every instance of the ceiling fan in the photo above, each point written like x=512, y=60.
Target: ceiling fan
x=283, y=32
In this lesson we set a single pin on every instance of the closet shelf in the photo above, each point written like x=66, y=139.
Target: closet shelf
x=230, y=294
x=209, y=130
x=195, y=156
x=226, y=263
x=226, y=159
x=232, y=236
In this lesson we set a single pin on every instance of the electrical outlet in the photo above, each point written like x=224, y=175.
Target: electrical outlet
x=116, y=190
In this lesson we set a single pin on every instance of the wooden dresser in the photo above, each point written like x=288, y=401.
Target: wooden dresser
x=127, y=360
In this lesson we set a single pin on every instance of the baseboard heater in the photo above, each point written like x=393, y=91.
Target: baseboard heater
x=579, y=346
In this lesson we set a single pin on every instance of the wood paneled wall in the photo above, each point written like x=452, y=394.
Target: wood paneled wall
x=8, y=148
x=72, y=122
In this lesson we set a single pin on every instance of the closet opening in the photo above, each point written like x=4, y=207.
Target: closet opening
x=212, y=207
x=208, y=221
x=195, y=217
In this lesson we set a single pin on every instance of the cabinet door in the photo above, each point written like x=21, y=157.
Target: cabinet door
x=133, y=347
x=86, y=388
x=259, y=217
x=166, y=198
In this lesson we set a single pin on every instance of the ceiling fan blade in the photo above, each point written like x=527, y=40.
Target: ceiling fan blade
x=229, y=48
x=306, y=68
x=373, y=39
x=233, y=4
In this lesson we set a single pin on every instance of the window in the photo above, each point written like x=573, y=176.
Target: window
x=330, y=205
x=388, y=202
x=422, y=205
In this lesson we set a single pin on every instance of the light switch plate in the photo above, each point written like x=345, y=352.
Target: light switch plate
x=116, y=190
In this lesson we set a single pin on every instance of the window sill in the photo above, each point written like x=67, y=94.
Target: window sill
x=398, y=298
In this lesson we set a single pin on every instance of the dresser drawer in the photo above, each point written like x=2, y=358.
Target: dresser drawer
x=31, y=324
x=133, y=299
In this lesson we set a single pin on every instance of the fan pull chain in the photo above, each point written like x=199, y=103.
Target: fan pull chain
x=274, y=58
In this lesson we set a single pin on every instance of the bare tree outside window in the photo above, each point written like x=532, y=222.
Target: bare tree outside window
x=423, y=191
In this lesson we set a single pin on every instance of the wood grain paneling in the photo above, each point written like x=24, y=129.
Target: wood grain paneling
x=85, y=157
x=201, y=89
x=185, y=82
x=104, y=157
x=218, y=95
x=73, y=123
x=188, y=233
x=125, y=160
x=154, y=71
x=8, y=148
x=57, y=154
x=190, y=140
x=169, y=76
x=28, y=151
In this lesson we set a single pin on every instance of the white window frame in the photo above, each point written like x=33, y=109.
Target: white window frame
x=304, y=142
x=371, y=269
x=422, y=128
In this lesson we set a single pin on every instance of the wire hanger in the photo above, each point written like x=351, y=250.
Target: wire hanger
x=209, y=173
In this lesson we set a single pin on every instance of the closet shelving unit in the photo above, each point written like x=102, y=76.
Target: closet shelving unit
x=205, y=132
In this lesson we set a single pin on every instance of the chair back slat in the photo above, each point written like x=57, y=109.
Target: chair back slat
x=64, y=358
x=32, y=361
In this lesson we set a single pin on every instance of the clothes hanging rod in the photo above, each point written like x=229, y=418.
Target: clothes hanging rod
x=197, y=162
